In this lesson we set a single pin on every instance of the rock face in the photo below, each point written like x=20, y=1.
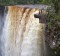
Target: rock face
x=23, y=35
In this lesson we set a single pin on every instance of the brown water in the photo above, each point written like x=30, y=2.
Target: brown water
x=23, y=35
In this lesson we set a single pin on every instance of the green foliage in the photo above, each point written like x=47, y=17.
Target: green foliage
x=24, y=1
x=28, y=1
x=56, y=5
x=7, y=2
x=53, y=31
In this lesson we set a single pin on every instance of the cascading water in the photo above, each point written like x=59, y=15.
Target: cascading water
x=22, y=33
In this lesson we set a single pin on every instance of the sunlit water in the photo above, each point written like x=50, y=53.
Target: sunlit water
x=22, y=34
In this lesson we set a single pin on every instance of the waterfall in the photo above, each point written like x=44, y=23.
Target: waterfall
x=1, y=24
x=22, y=33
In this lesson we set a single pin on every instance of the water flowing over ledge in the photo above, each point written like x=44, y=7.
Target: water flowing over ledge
x=39, y=6
x=22, y=33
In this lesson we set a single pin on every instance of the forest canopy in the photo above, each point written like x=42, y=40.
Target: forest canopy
x=12, y=2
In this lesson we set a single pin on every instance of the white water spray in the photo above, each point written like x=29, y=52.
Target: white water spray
x=22, y=34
